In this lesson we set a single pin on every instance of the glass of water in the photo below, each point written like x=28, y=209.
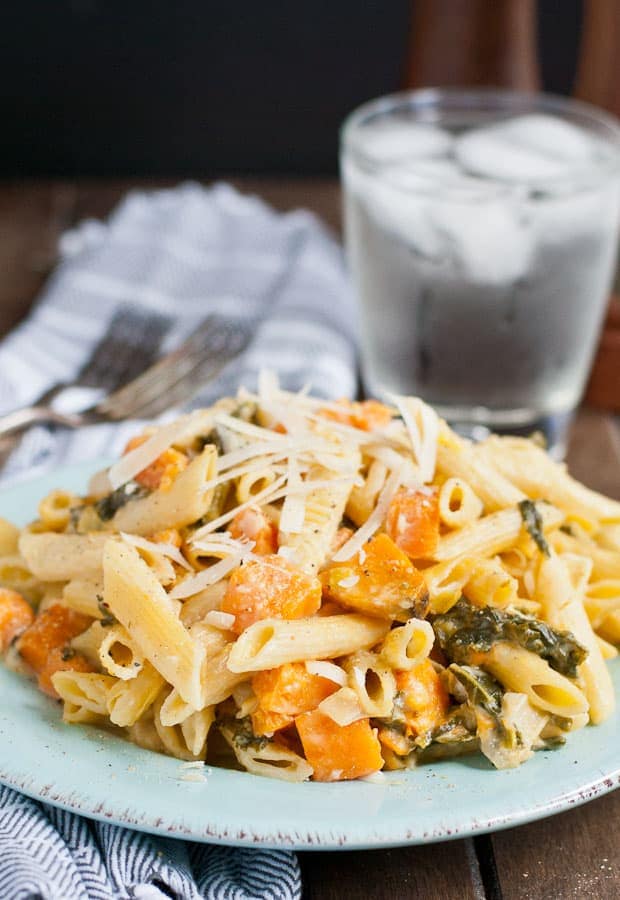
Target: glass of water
x=481, y=231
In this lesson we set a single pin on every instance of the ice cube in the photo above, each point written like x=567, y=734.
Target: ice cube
x=527, y=148
x=484, y=239
x=388, y=141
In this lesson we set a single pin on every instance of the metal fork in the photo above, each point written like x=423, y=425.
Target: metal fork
x=130, y=344
x=173, y=379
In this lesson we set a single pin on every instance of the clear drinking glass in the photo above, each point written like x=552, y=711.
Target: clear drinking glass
x=482, y=230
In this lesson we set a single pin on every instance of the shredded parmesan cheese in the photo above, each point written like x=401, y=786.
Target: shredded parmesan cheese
x=129, y=465
x=326, y=670
x=343, y=707
x=422, y=426
x=349, y=582
x=219, y=619
x=373, y=522
x=192, y=585
x=168, y=550
x=267, y=495
x=294, y=507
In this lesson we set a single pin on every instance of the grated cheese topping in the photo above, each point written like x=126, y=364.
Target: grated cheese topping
x=349, y=582
x=326, y=670
x=422, y=425
x=220, y=619
x=373, y=522
x=168, y=550
x=343, y=707
x=192, y=585
x=132, y=463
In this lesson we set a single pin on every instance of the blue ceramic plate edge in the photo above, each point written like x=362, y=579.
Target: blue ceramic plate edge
x=355, y=837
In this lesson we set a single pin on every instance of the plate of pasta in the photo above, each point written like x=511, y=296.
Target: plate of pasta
x=310, y=623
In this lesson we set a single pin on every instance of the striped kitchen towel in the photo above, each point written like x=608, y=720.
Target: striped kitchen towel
x=179, y=255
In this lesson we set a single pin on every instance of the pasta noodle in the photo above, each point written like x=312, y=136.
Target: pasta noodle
x=458, y=504
x=320, y=590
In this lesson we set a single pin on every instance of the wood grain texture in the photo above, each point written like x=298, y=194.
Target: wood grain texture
x=32, y=215
x=473, y=43
x=573, y=856
x=437, y=872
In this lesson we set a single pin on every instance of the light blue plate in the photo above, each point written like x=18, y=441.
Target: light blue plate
x=97, y=774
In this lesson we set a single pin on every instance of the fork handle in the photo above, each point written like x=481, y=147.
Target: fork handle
x=20, y=419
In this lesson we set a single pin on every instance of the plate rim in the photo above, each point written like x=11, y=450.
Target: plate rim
x=387, y=834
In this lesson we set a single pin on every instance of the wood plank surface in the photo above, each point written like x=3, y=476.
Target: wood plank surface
x=437, y=872
x=574, y=855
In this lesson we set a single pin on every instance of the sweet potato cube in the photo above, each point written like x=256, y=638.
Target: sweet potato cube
x=162, y=472
x=336, y=752
x=270, y=587
x=380, y=580
x=267, y=722
x=253, y=525
x=286, y=692
x=424, y=698
x=367, y=415
x=53, y=628
x=413, y=521
x=16, y=615
x=59, y=660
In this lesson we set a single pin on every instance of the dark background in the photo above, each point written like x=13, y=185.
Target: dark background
x=127, y=87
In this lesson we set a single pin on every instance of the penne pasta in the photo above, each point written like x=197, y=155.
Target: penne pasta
x=272, y=642
x=492, y=534
x=562, y=605
x=309, y=589
x=136, y=598
x=526, y=673
x=185, y=502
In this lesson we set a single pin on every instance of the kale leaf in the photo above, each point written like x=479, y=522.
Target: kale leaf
x=466, y=628
x=108, y=506
x=533, y=522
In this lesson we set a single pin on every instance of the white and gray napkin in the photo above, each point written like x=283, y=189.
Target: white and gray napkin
x=162, y=262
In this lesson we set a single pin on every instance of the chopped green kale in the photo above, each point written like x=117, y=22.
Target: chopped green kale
x=108, y=506
x=244, y=737
x=533, y=522
x=481, y=688
x=466, y=628
x=212, y=438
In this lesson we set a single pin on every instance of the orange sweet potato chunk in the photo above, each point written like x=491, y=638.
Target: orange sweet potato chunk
x=16, y=615
x=267, y=722
x=162, y=472
x=425, y=700
x=413, y=521
x=270, y=587
x=380, y=580
x=59, y=661
x=52, y=629
x=367, y=415
x=286, y=692
x=253, y=525
x=336, y=752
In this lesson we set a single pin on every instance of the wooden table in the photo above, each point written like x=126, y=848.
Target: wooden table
x=573, y=855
